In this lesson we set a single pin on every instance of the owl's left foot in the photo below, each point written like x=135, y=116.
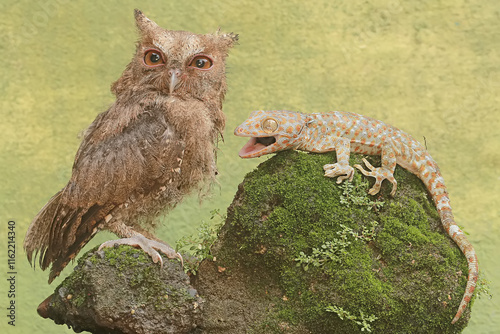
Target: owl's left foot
x=151, y=247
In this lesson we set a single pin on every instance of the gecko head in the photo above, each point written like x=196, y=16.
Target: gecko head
x=269, y=132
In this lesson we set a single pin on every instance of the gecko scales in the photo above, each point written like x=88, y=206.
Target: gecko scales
x=345, y=132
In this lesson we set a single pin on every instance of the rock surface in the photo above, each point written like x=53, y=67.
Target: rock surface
x=120, y=290
x=297, y=254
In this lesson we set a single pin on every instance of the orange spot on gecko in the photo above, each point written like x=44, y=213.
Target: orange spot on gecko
x=289, y=130
x=439, y=185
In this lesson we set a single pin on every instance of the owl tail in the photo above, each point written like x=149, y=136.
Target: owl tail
x=59, y=232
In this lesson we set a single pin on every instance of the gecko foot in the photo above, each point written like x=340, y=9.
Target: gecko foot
x=380, y=174
x=151, y=247
x=342, y=171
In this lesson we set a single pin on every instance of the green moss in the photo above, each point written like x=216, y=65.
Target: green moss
x=134, y=268
x=405, y=274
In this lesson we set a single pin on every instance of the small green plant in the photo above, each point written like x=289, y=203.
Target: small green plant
x=368, y=233
x=357, y=194
x=335, y=250
x=199, y=246
x=361, y=320
x=482, y=287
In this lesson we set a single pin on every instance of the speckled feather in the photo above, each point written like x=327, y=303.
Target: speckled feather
x=345, y=132
x=154, y=145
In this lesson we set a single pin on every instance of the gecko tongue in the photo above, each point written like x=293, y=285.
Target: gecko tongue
x=251, y=147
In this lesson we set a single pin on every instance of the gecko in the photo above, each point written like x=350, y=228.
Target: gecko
x=346, y=132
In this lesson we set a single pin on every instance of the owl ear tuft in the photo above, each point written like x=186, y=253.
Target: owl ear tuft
x=143, y=23
x=229, y=38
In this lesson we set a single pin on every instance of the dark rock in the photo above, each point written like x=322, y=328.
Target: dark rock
x=125, y=292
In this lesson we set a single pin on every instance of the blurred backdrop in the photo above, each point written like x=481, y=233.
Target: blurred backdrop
x=428, y=67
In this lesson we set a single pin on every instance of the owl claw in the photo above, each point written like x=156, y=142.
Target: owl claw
x=151, y=247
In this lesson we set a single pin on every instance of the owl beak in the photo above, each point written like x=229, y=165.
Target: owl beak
x=175, y=78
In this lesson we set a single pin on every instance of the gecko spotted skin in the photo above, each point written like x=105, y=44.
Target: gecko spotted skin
x=345, y=132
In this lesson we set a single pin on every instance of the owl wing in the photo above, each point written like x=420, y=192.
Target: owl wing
x=108, y=170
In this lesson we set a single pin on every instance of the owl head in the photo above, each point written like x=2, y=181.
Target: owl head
x=176, y=63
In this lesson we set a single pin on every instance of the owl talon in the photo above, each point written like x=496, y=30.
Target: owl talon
x=151, y=247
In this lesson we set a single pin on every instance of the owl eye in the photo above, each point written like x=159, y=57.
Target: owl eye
x=153, y=58
x=269, y=125
x=201, y=62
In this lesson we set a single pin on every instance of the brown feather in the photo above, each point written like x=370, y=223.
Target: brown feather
x=149, y=149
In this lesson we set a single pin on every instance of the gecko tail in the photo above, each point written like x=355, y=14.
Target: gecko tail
x=457, y=235
x=471, y=282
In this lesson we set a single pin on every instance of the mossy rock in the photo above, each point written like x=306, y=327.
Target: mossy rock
x=121, y=290
x=374, y=263
x=402, y=270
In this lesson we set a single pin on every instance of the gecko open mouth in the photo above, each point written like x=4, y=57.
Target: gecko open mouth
x=254, y=145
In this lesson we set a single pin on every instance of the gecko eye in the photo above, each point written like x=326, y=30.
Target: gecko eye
x=201, y=62
x=269, y=125
x=153, y=58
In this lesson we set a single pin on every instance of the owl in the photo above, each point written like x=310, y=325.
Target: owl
x=156, y=143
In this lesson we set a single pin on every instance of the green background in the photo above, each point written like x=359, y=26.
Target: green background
x=428, y=67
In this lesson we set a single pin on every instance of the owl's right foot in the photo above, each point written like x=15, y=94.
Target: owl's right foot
x=151, y=247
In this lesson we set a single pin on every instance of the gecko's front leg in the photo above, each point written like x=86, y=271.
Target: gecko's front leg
x=386, y=171
x=341, y=168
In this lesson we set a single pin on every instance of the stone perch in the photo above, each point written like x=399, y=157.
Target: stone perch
x=297, y=254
